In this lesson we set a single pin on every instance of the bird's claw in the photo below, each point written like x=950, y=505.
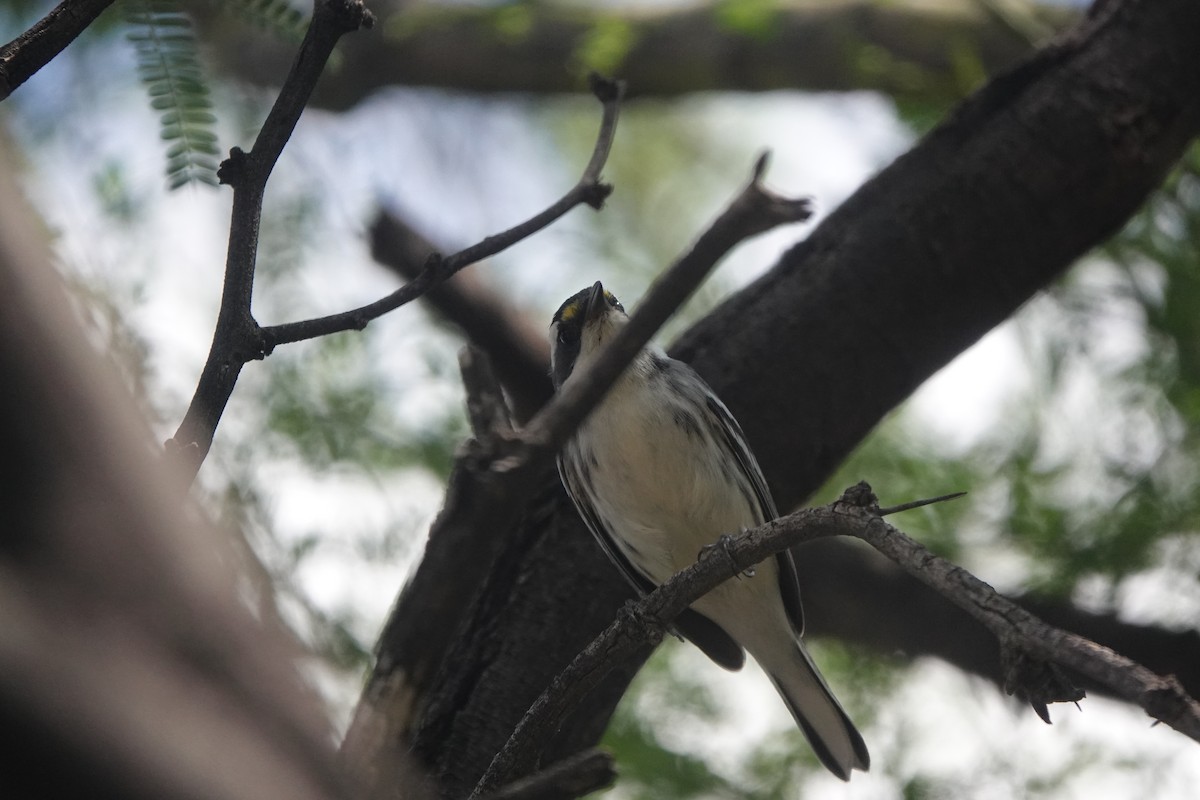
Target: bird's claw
x=651, y=627
x=722, y=543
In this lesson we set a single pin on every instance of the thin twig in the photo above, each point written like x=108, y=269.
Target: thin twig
x=855, y=514
x=889, y=510
x=516, y=346
x=21, y=58
x=588, y=190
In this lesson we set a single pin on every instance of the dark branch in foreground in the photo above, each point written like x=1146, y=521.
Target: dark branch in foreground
x=495, y=476
x=238, y=338
x=589, y=190
x=855, y=513
x=21, y=58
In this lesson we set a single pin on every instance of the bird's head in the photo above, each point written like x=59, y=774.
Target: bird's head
x=579, y=327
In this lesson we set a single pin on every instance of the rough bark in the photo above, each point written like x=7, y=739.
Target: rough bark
x=1042, y=164
x=933, y=51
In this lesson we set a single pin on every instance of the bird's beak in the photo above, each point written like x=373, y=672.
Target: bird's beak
x=596, y=304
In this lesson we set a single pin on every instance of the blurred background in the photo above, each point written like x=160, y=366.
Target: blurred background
x=1073, y=425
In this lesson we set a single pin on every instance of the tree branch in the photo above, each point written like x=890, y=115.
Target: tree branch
x=589, y=190
x=36, y=47
x=237, y=338
x=933, y=53
x=855, y=514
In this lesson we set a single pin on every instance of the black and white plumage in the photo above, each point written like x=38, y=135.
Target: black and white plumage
x=660, y=470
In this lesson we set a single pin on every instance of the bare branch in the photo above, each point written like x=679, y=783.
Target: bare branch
x=1021, y=632
x=669, y=50
x=36, y=47
x=238, y=338
x=896, y=509
x=517, y=348
x=588, y=190
x=752, y=212
x=855, y=513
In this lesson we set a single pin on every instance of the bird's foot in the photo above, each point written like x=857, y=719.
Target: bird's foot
x=649, y=626
x=722, y=544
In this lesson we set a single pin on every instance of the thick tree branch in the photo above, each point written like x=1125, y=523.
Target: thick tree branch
x=36, y=47
x=238, y=338
x=952, y=238
x=855, y=514
x=931, y=52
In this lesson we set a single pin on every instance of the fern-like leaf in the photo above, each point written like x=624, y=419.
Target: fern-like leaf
x=169, y=66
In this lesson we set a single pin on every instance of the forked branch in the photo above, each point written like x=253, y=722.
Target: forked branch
x=238, y=337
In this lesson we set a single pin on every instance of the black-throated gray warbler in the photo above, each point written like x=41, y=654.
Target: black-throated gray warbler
x=660, y=470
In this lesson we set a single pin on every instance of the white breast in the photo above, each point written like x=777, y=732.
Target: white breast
x=663, y=492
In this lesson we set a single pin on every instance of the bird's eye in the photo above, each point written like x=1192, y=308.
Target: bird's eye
x=567, y=335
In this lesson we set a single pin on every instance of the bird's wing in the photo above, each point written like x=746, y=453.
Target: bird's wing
x=735, y=443
x=710, y=637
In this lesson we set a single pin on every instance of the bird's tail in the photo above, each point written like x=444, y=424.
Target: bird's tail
x=833, y=737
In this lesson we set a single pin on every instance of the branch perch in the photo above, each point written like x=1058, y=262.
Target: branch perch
x=856, y=513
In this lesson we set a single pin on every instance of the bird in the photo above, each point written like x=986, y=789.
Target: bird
x=659, y=471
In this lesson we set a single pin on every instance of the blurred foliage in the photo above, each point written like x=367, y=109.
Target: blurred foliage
x=332, y=407
x=169, y=66
x=649, y=769
x=278, y=17
x=755, y=18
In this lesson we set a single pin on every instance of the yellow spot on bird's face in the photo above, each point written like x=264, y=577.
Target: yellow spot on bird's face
x=569, y=312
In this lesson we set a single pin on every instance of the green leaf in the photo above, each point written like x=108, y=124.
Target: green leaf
x=169, y=67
